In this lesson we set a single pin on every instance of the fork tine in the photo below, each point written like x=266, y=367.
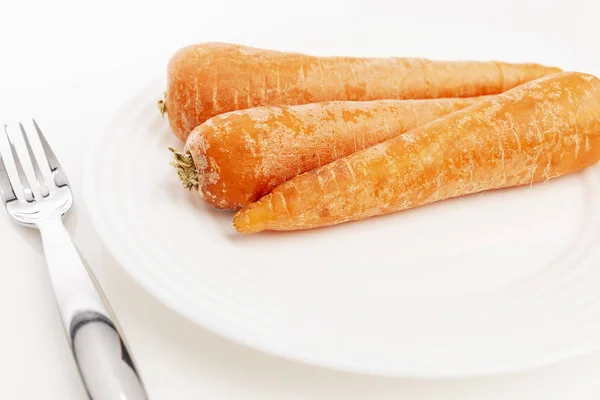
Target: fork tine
x=36, y=167
x=6, y=190
x=24, y=181
x=60, y=178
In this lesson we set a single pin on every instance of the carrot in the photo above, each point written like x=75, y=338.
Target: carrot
x=541, y=130
x=207, y=79
x=236, y=158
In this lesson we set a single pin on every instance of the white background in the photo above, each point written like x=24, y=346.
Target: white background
x=56, y=60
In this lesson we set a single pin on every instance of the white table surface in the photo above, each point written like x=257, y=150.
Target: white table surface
x=56, y=61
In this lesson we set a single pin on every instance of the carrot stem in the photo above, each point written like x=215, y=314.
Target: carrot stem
x=186, y=169
x=162, y=105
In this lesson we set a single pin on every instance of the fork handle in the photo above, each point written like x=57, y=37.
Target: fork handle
x=99, y=349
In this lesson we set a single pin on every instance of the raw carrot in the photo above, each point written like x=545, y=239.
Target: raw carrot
x=541, y=130
x=207, y=79
x=236, y=158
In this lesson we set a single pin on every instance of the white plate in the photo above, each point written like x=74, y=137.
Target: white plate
x=488, y=283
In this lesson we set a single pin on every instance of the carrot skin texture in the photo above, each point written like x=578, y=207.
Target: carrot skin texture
x=241, y=156
x=541, y=130
x=208, y=79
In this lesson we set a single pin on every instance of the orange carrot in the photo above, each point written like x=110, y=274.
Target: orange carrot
x=207, y=79
x=541, y=130
x=242, y=155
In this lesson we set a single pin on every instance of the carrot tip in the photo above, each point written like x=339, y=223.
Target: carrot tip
x=186, y=169
x=162, y=105
x=240, y=226
x=253, y=218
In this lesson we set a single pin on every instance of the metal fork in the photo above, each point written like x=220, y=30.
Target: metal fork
x=102, y=357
